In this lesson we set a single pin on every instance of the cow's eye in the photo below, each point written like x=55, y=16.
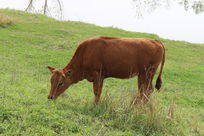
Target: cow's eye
x=60, y=84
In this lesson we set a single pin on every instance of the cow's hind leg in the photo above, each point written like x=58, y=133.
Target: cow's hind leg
x=145, y=86
x=97, y=86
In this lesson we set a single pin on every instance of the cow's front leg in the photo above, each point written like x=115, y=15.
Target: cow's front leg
x=97, y=87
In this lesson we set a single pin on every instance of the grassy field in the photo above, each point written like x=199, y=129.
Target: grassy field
x=31, y=42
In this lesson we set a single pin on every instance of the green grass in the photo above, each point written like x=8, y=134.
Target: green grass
x=33, y=41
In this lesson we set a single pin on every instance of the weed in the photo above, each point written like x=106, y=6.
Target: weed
x=5, y=20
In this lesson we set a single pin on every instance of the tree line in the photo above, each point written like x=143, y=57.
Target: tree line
x=141, y=6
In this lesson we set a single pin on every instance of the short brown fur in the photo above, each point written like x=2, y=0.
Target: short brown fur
x=98, y=58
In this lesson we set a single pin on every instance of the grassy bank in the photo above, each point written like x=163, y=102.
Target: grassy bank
x=32, y=42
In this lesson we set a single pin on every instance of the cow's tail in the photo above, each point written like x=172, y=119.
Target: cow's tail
x=159, y=80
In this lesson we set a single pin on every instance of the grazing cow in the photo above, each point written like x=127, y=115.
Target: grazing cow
x=98, y=58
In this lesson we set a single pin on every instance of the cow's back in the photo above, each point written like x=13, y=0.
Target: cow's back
x=119, y=57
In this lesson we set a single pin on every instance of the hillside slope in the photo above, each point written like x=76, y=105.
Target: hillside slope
x=32, y=42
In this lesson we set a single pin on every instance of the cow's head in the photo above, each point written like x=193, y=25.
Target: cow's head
x=60, y=81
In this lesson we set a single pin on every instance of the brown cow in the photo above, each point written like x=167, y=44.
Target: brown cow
x=98, y=58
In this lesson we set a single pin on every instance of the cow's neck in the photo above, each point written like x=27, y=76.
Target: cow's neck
x=74, y=64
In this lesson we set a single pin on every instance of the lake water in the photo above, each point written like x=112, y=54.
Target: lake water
x=167, y=22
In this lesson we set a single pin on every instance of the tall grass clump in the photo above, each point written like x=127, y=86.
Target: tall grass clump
x=5, y=20
x=150, y=119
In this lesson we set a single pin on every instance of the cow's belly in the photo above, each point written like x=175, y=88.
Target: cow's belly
x=120, y=66
x=121, y=71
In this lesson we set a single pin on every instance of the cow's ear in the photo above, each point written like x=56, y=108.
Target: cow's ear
x=50, y=68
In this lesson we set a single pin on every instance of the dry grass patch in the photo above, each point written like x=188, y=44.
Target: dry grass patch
x=5, y=20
